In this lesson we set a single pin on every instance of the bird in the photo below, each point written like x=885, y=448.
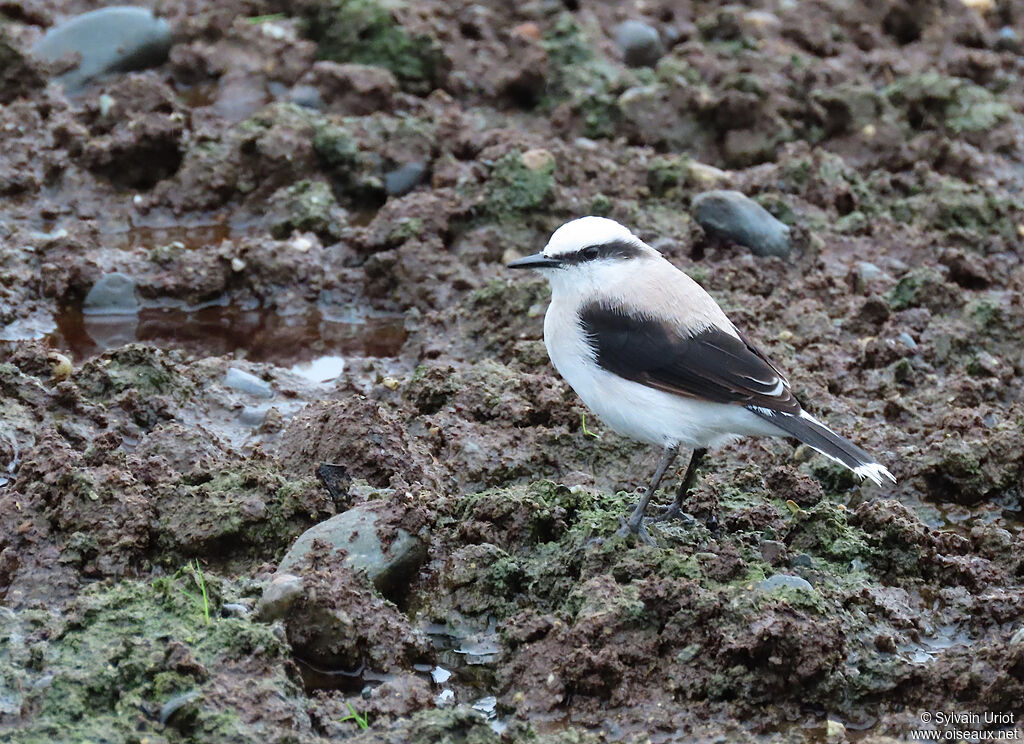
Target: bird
x=653, y=355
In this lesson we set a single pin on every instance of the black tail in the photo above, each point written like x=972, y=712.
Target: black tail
x=815, y=434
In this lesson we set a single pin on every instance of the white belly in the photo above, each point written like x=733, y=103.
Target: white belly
x=638, y=411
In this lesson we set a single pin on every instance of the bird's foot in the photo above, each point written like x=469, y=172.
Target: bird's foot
x=626, y=529
x=675, y=512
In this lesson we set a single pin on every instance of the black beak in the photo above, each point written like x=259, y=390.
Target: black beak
x=536, y=261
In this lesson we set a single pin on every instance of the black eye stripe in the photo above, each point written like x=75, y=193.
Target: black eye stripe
x=615, y=249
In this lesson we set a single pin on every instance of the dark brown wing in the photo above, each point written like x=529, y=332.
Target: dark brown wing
x=711, y=365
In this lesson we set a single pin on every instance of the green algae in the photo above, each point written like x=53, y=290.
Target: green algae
x=922, y=287
x=666, y=175
x=102, y=671
x=512, y=189
x=824, y=531
x=589, y=83
x=367, y=32
x=141, y=369
x=931, y=99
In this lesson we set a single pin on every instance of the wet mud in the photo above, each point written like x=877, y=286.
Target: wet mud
x=314, y=203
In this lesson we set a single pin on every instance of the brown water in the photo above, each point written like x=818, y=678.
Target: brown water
x=260, y=335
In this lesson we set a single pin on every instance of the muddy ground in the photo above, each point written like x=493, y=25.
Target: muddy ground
x=146, y=499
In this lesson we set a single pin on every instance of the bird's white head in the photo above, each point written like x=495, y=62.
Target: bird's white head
x=587, y=250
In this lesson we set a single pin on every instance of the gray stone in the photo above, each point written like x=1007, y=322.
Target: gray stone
x=1008, y=41
x=867, y=272
x=1017, y=639
x=907, y=340
x=279, y=596
x=784, y=581
x=246, y=382
x=356, y=533
x=802, y=561
x=114, y=39
x=733, y=216
x=640, y=44
x=113, y=294
x=404, y=179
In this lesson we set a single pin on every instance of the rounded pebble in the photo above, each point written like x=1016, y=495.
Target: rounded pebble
x=246, y=382
x=785, y=581
x=355, y=533
x=907, y=340
x=736, y=217
x=404, y=179
x=1008, y=41
x=538, y=159
x=116, y=39
x=640, y=43
x=802, y=561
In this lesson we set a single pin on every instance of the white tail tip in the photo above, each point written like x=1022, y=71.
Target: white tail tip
x=874, y=472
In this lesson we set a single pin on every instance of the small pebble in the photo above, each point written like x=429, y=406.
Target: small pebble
x=1017, y=639
x=108, y=40
x=246, y=382
x=60, y=366
x=907, y=340
x=640, y=44
x=404, y=179
x=802, y=561
x=106, y=103
x=538, y=159
x=440, y=675
x=301, y=244
x=703, y=174
x=113, y=294
x=734, y=216
x=784, y=581
x=867, y=272
x=1008, y=41
x=835, y=730
x=529, y=31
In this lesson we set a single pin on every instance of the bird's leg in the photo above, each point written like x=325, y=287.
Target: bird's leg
x=635, y=523
x=676, y=510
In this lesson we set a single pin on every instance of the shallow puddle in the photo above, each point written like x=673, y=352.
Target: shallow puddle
x=313, y=345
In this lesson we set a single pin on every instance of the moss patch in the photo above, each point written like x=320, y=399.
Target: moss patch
x=367, y=32
x=513, y=189
x=104, y=670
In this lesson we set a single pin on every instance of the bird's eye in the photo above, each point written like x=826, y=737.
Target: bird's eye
x=590, y=252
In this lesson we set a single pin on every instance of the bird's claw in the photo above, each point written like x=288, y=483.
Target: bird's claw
x=625, y=530
x=674, y=512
